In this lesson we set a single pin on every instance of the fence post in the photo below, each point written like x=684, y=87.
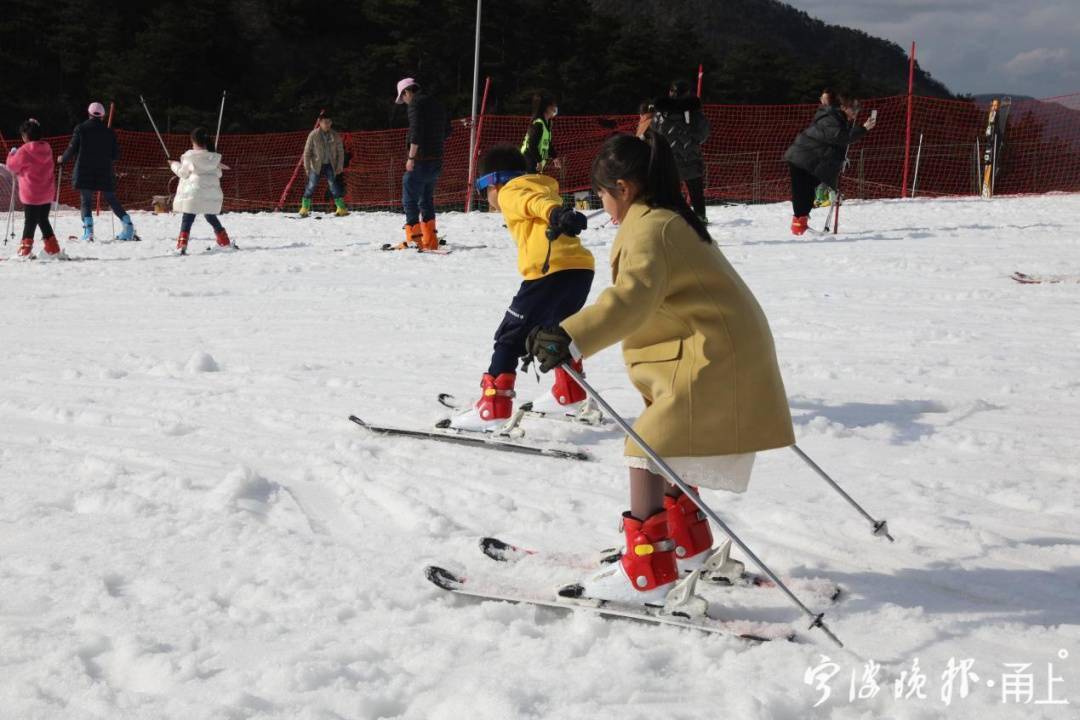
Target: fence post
x=978, y=174
x=112, y=106
x=299, y=162
x=862, y=172
x=755, y=194
x=907, y=132
x=476, y=150
x=700, y=75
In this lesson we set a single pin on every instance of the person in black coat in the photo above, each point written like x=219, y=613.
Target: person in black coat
x=818, y=153
x=679, y=118
x=94, y=147
x=429, y=126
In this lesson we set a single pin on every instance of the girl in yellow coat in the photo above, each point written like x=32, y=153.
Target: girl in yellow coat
x=697, y=347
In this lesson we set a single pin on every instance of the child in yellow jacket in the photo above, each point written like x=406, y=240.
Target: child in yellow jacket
x=557, y=273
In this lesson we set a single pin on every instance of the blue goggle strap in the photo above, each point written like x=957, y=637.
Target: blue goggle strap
x=499, y=177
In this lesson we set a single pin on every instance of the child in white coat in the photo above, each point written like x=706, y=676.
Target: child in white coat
x=199, y=191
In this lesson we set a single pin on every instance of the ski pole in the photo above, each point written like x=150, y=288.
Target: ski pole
x=154, y=125
x=10, y=228
x=817, y=619
x=221, y=113
x=879, y=527
x=56, y=200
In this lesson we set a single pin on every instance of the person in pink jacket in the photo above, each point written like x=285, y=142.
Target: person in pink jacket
x=33, y=165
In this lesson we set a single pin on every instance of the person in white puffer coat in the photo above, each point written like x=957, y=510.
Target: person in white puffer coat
x=199, y=191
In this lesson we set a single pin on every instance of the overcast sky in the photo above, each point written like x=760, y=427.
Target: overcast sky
x=1017, y=47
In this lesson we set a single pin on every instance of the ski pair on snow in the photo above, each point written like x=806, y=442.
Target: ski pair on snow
x=684, y=607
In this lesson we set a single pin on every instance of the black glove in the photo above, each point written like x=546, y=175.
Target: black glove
x=549, y=346
x=565, y=221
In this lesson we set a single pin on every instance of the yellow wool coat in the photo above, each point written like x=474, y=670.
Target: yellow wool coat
x=695, y=341
x=526, y=203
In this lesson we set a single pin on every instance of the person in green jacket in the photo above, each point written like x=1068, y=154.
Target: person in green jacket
x=537, y=146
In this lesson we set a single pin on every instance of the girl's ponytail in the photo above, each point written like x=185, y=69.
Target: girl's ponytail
x=664, y=186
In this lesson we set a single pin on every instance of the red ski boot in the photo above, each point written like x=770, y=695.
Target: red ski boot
x=52, y=247
x=799, y=223
x=565, y=390
x=25, y=247
x=647, y=570
x=689, y=528
x=493, y=409
x=181, y=242
x=222, y=238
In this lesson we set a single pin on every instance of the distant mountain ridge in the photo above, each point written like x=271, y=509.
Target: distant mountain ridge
x=756, y=37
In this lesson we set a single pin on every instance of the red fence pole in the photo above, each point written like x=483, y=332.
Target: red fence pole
x=292, y=179
x=479, y=134
x=700, y=75
x=907, y=138
x=112, y=106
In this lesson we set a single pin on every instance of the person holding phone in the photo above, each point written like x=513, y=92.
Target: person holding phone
x=818, y=153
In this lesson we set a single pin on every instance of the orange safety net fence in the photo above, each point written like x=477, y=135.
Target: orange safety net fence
x=743, y=155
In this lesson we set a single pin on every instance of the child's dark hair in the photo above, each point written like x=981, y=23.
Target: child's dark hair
x=501, y=158
x=201, y=137
x=650, y=165
x=31, y=129
x=541, y=102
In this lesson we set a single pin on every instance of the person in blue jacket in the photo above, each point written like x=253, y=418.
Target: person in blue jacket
x=94, y=147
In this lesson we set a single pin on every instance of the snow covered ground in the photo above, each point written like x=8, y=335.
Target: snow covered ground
x=190, y=527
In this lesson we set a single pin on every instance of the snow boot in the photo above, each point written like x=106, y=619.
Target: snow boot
x=305, y=207
x=127, y=229
x=689, y=529
x=87, y=229
x=182, y=242
x=429, y=237
x=493, y=409
x=341, y=210
x=52, y=248
x=799, y=223
x=25, y=247
x=222, y=238
x=565, y=389
x=647, y=570
x=413, y=237
x=567, y=397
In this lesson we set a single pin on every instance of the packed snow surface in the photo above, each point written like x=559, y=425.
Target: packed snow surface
x=191, y=528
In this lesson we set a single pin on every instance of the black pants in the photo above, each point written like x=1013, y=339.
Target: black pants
x=36, y=216
x=538, y=303
x=188, y=219
x=86, y=202
x=803, y=188
x=696, y=188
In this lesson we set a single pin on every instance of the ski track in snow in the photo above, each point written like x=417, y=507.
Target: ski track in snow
x=190, y=527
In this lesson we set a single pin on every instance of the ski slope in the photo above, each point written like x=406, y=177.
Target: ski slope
x=191, y=528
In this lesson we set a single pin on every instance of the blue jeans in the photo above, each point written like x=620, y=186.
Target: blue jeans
x=418, y=190
x=86, y=202
x=326, y=171
x=538, y=303
x=188, y=219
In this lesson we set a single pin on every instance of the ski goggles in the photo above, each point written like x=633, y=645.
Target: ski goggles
x=499, y=177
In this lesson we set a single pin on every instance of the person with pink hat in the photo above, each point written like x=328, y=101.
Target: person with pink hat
x=429, y=126
x=32, y=164
x=94, y=147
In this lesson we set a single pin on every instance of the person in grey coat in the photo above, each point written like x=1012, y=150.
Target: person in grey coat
x=680, y=119
x=818, y=153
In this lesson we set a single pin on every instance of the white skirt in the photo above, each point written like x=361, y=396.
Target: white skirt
x=716, y=472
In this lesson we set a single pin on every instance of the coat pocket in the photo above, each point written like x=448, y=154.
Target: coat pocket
x=653, y=369
x=659, y=352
